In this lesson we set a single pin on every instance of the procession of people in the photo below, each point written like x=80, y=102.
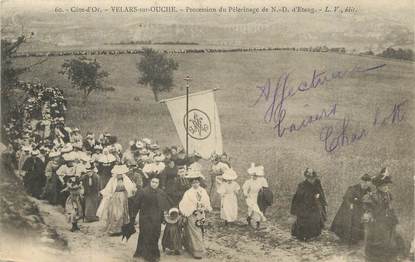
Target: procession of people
x=95, y=180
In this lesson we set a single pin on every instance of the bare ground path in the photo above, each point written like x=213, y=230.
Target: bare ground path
x=236, y=242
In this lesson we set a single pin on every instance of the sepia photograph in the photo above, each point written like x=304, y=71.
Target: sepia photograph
x=207, y=130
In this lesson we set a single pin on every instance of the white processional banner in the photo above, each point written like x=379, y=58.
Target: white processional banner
x=205, y=135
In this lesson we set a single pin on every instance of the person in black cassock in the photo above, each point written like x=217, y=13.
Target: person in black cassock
x=309, y=206
x=34, y=179
x=347, y=223
x=383, y=243
x=151, y=203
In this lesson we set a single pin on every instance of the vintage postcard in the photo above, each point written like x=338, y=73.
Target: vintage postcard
x=162, y=130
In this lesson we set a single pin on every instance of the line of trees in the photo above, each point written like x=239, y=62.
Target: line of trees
x=402, y=54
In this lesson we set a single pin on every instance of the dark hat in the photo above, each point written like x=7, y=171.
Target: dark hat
x=365, y=177
x=381, y=180
x=310, y=173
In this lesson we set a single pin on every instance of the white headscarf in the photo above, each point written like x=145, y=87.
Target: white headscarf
x=109, y=189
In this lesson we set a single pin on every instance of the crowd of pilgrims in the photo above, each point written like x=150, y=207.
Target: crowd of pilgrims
x=95, y=180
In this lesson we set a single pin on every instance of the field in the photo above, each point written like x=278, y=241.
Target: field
x=248, y=138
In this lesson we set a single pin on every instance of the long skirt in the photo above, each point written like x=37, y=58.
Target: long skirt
x=34, y=183
x=91, y=206
x=383, y=243
x=103, y=180
x=73, y=208
x=172, y=237
x=229, y=208
x=193, y=238
x=148, y=238
x=52, y=189
x=308, y=227
x=215, y=198
x=115, y=212
x=254, y=212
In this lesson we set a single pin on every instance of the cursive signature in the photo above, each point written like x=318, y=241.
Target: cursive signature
x=334, y=138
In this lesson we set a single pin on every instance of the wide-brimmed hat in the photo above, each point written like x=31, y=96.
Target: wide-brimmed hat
x=251, y=170
x=194, y=174
x=382, y=179
x=159, y=158
x=35, y=152
x=77, y=145
x=67, y=148
x=54, y=153
x=366, y=177
x=229, y=174
x=259, y=171
x=146, y=141
x=172, y=220
x=144, y=152
x=139, y=144
x=197, y=155
x=106, y=158
x=83, y=156
x=75, y=129
x=27, y=148
x=98, y=147
x=119, y=170
x=154, y=146
x=68, y=157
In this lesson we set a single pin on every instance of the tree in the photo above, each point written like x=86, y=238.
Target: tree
x=156, y=71
x=85, y=74
x=10, y=73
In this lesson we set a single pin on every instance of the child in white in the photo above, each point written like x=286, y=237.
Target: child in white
x=251, y=189
x=227, y=189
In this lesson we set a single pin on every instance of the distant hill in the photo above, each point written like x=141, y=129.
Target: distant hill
x=370, y=31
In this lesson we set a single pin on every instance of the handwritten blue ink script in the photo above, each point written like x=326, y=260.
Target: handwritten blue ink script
x=276, y=98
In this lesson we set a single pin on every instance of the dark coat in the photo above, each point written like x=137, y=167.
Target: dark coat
x=310, y=211
x=347, y=223
x=383, y=243
x=104, y=172
x=265, y=198
x=34, y=179
x=53, y=187
x=151, y=203
x=172, y=185
x=91, y=187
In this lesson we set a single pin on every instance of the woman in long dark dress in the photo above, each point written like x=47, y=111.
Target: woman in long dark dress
x=90, y=183
x=171, y=187
x=383, y=243
x=106, y=161
x=53, y=185
x=347, y=223
x=34, y=179
x=308, y=205
x=151, y=202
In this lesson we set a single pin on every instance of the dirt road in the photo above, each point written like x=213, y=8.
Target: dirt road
x=236, y=242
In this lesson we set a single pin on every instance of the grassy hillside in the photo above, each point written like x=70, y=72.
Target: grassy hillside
x=247, y=138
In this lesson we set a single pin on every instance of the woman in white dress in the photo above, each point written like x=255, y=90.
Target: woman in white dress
x=228, y=189
x=113, y=210
x=251, y=189
x=194, y=204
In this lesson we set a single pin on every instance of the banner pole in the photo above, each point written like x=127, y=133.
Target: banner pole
x=187, y=79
